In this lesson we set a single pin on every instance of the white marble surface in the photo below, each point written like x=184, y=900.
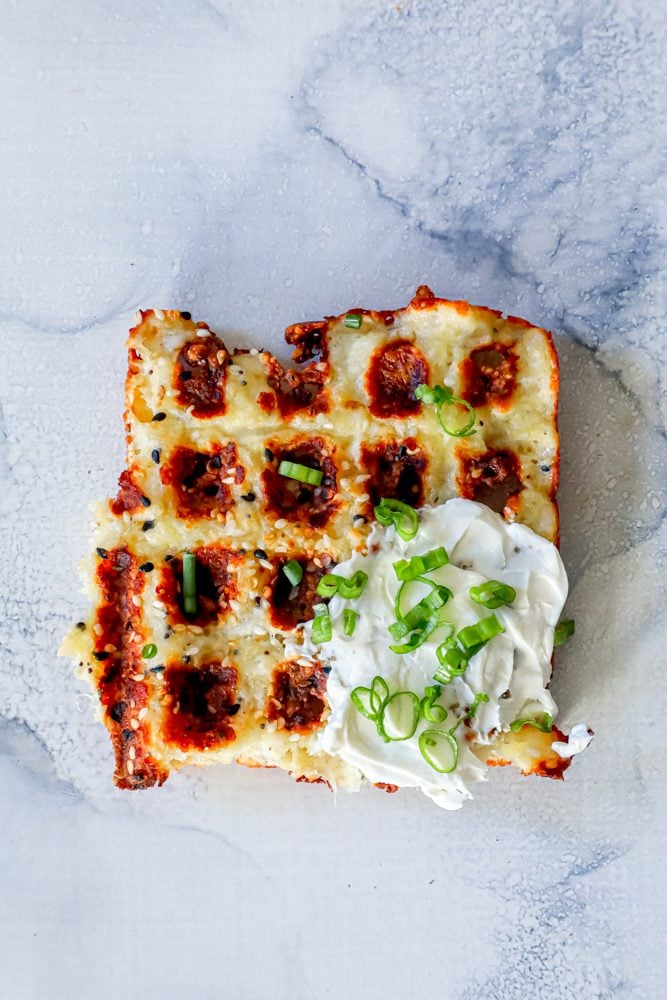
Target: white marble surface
x=258, y=163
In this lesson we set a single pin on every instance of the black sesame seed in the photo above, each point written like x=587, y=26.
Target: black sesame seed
x=506, y=694
x=250, y=496
x=258, y=600
x=155, y=455
x=145, y=502
x=243, y=382
x=102, y=553
x=185, y=376
x=326, y=670
x=101, y=656
x=235, y=652
x=268, y=455
x=147, y=525
x=262, y=725
x=215, y=462
x=545, y=468
x=186, y=315
x=402, y=451
x=241, y=552
x=186, y=659
x=81, y=625
x=117, y=711
x=233, y=709
x=147, y=567
x=168, y=558
x=359, y=517
x=158, y=669
x=159, y=416
x=260, y=554
x=128, y=734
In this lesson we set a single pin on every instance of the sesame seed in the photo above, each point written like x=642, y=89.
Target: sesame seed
x=102, y=553
x=268, y=455
x=158, y=313
x=147, y=567
x=109, y=648
x=147, y=525
x=81, y=625
x=281, y=522
x=143, y=713
x=160, y=415
x=130, y=765
x=363, y=497
x=280, y=722
x=155, y=455
x=97, y=629
x=134, y=724
x=260, y=554
x=144, y=501
x=254, y=352
x=248, y=497
x=100, y=655
x=136, y=600
x=192, y=650
x=179, y=627
x=137, y=677
x=132, y=753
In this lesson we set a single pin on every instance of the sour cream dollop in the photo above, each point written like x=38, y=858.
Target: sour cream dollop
x=512, y=669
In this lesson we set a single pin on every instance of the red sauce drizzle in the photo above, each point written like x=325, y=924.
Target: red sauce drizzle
x=120, y=693
x=200, y=374
x=216, y=586
x=301, y=502
x=395, y=472
x=198, y=479
x=291, y=606
x=393, y=375
x=199, y=703
x=129, y=496
x=489, y=376
x=492, y=478
x=297, y=391
x=297, y=696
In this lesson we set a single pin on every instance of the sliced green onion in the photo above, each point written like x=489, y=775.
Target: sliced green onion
x=477, y=701
x=564, y=630
x=418, y=637
x=379, y=693
x=189, y=583
x=410, y=569
x=480, y=632
x=421, y=612
x=429, y=710
x=493, y=594
x=543, y=722
x=399, y=717
x=322, y=630
x=453, y=662
x=302, y=473
x=400, y=514
x=350, y=618
x=149, y=651
x=439, y=749
x=328, y=584
x=441, y=396
x=362, y=699
x=353, y=321
x=294, y=572
x=355, y=586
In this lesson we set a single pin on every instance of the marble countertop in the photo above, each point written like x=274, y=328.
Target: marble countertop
x=259, y=163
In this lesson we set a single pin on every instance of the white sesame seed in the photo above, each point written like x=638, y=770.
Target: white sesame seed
x=143, y=713
x=196, y=629
x=229, y=480
x=137, y=677
x=97, y=629
x=109, y=648
x=363, y=497
x=203, y=333
x=136, y=600
x=294, y=738
x=158, y=314
x=134, y=724
x=281, y=523
x=130, y=767
x=280, y=722
x=132, y=753
x=191, y=650
x=254, y=352
x=265, y=563
x=179, y=627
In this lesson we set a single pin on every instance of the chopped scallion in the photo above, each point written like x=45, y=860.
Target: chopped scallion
x=353, y=321
x=350, y=619
x=480, y=632
x=400, y=514
x=399, y=717
x=564, y=630
x=544, y=722
x=189, y=583
x=476, y=702
x=411, y=569
x=493, y=594
x=441, y=396
x=293, y=570
x=149, y=651
x=429, y=710
x=322, y=630
x=439, y=749
x=332, y=583
x=302, y=473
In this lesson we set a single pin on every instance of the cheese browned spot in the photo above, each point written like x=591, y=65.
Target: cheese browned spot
x=396, y=470
x=216, y=585
x=128, y=497
x=492, y=478
x=297, y=696
x=292, y=605
x=200, y=375
x=393, y=375
x=200, y=700
x=296, y=390
x=199, y=480
x=489, y=375
x=292, y=499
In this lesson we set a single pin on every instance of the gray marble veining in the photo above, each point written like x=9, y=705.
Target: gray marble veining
x=259, y=163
